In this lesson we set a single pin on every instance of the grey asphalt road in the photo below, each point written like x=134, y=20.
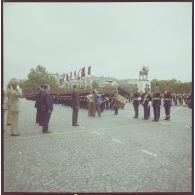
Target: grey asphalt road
x=107, y=154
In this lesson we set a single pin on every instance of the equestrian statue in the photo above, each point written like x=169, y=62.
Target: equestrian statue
x=144, y=73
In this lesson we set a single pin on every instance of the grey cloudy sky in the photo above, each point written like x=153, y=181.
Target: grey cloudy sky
x=117, y=39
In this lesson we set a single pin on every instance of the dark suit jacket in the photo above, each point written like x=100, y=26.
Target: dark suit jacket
x=48, y=101
x=75, y=99
x=39, y=99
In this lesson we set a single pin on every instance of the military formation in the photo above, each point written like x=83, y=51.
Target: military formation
x=92, y=100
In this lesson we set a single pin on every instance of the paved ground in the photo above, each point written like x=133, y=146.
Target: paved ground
x=107, y=154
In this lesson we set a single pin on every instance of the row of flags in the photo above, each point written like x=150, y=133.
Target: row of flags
x=76, y=75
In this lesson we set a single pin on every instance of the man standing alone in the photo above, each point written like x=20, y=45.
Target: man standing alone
x=39, y=115
x=75, y=106
x=47, y=108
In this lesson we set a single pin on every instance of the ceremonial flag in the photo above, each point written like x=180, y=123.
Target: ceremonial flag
x=75, y=74
x=83, y=72
x=120, y=101
x=67, y=77
x=71, y=75
x=123, y=93
x=89, y=70
x=121, y=98
x=78, y=77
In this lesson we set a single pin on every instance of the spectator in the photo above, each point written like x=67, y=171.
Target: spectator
x=15, y=94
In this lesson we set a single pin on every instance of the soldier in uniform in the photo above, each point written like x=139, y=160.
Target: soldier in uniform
x=75, y=106
x=189, y=100
x=15, y=94
x=115, y=105
x=147, y=88
x=136, y=101
x=167, y=102
x=156, y=102
x=146, y=105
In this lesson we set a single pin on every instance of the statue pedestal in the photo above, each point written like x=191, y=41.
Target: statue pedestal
x=142, y=84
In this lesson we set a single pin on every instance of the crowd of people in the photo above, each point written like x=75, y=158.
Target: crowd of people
x=94, y=101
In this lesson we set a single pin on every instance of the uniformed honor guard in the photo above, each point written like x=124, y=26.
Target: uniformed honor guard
x=16, y=93
x=189, y=100
x=147, y=89
x=146, y=104
x=156, y=102
x=115, y=103
x=167, y=102
x=75, y=106
x=136, y=101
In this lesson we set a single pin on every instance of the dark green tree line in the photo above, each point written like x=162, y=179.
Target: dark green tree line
x=38, y=77
x=175, y=86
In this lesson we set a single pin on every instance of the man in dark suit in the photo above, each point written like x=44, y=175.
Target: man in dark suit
x=75, y=106
x=47, y=108
x=39, y=115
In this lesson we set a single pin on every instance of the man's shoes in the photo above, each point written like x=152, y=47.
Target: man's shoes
x=153, y=120
x=75, y=125
x=46, y=131
x=166, y=119
x=8, y=124
x=15, y=134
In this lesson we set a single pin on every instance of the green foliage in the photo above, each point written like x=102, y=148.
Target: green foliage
x=175, y=86
x=37, y=77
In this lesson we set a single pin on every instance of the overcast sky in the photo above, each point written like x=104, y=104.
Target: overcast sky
x=116, y=39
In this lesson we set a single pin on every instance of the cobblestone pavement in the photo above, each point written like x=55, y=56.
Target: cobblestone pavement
x=107, y=154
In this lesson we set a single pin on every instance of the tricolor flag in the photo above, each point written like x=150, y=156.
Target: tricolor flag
x=67, y=77
x=123, y=93
x=75, y=74
x=78, y=77
x=83, y=72
x=89, y=70
x=121, y=98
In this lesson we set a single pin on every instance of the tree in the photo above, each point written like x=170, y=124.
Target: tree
x=175, y=86
x=38, y=77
